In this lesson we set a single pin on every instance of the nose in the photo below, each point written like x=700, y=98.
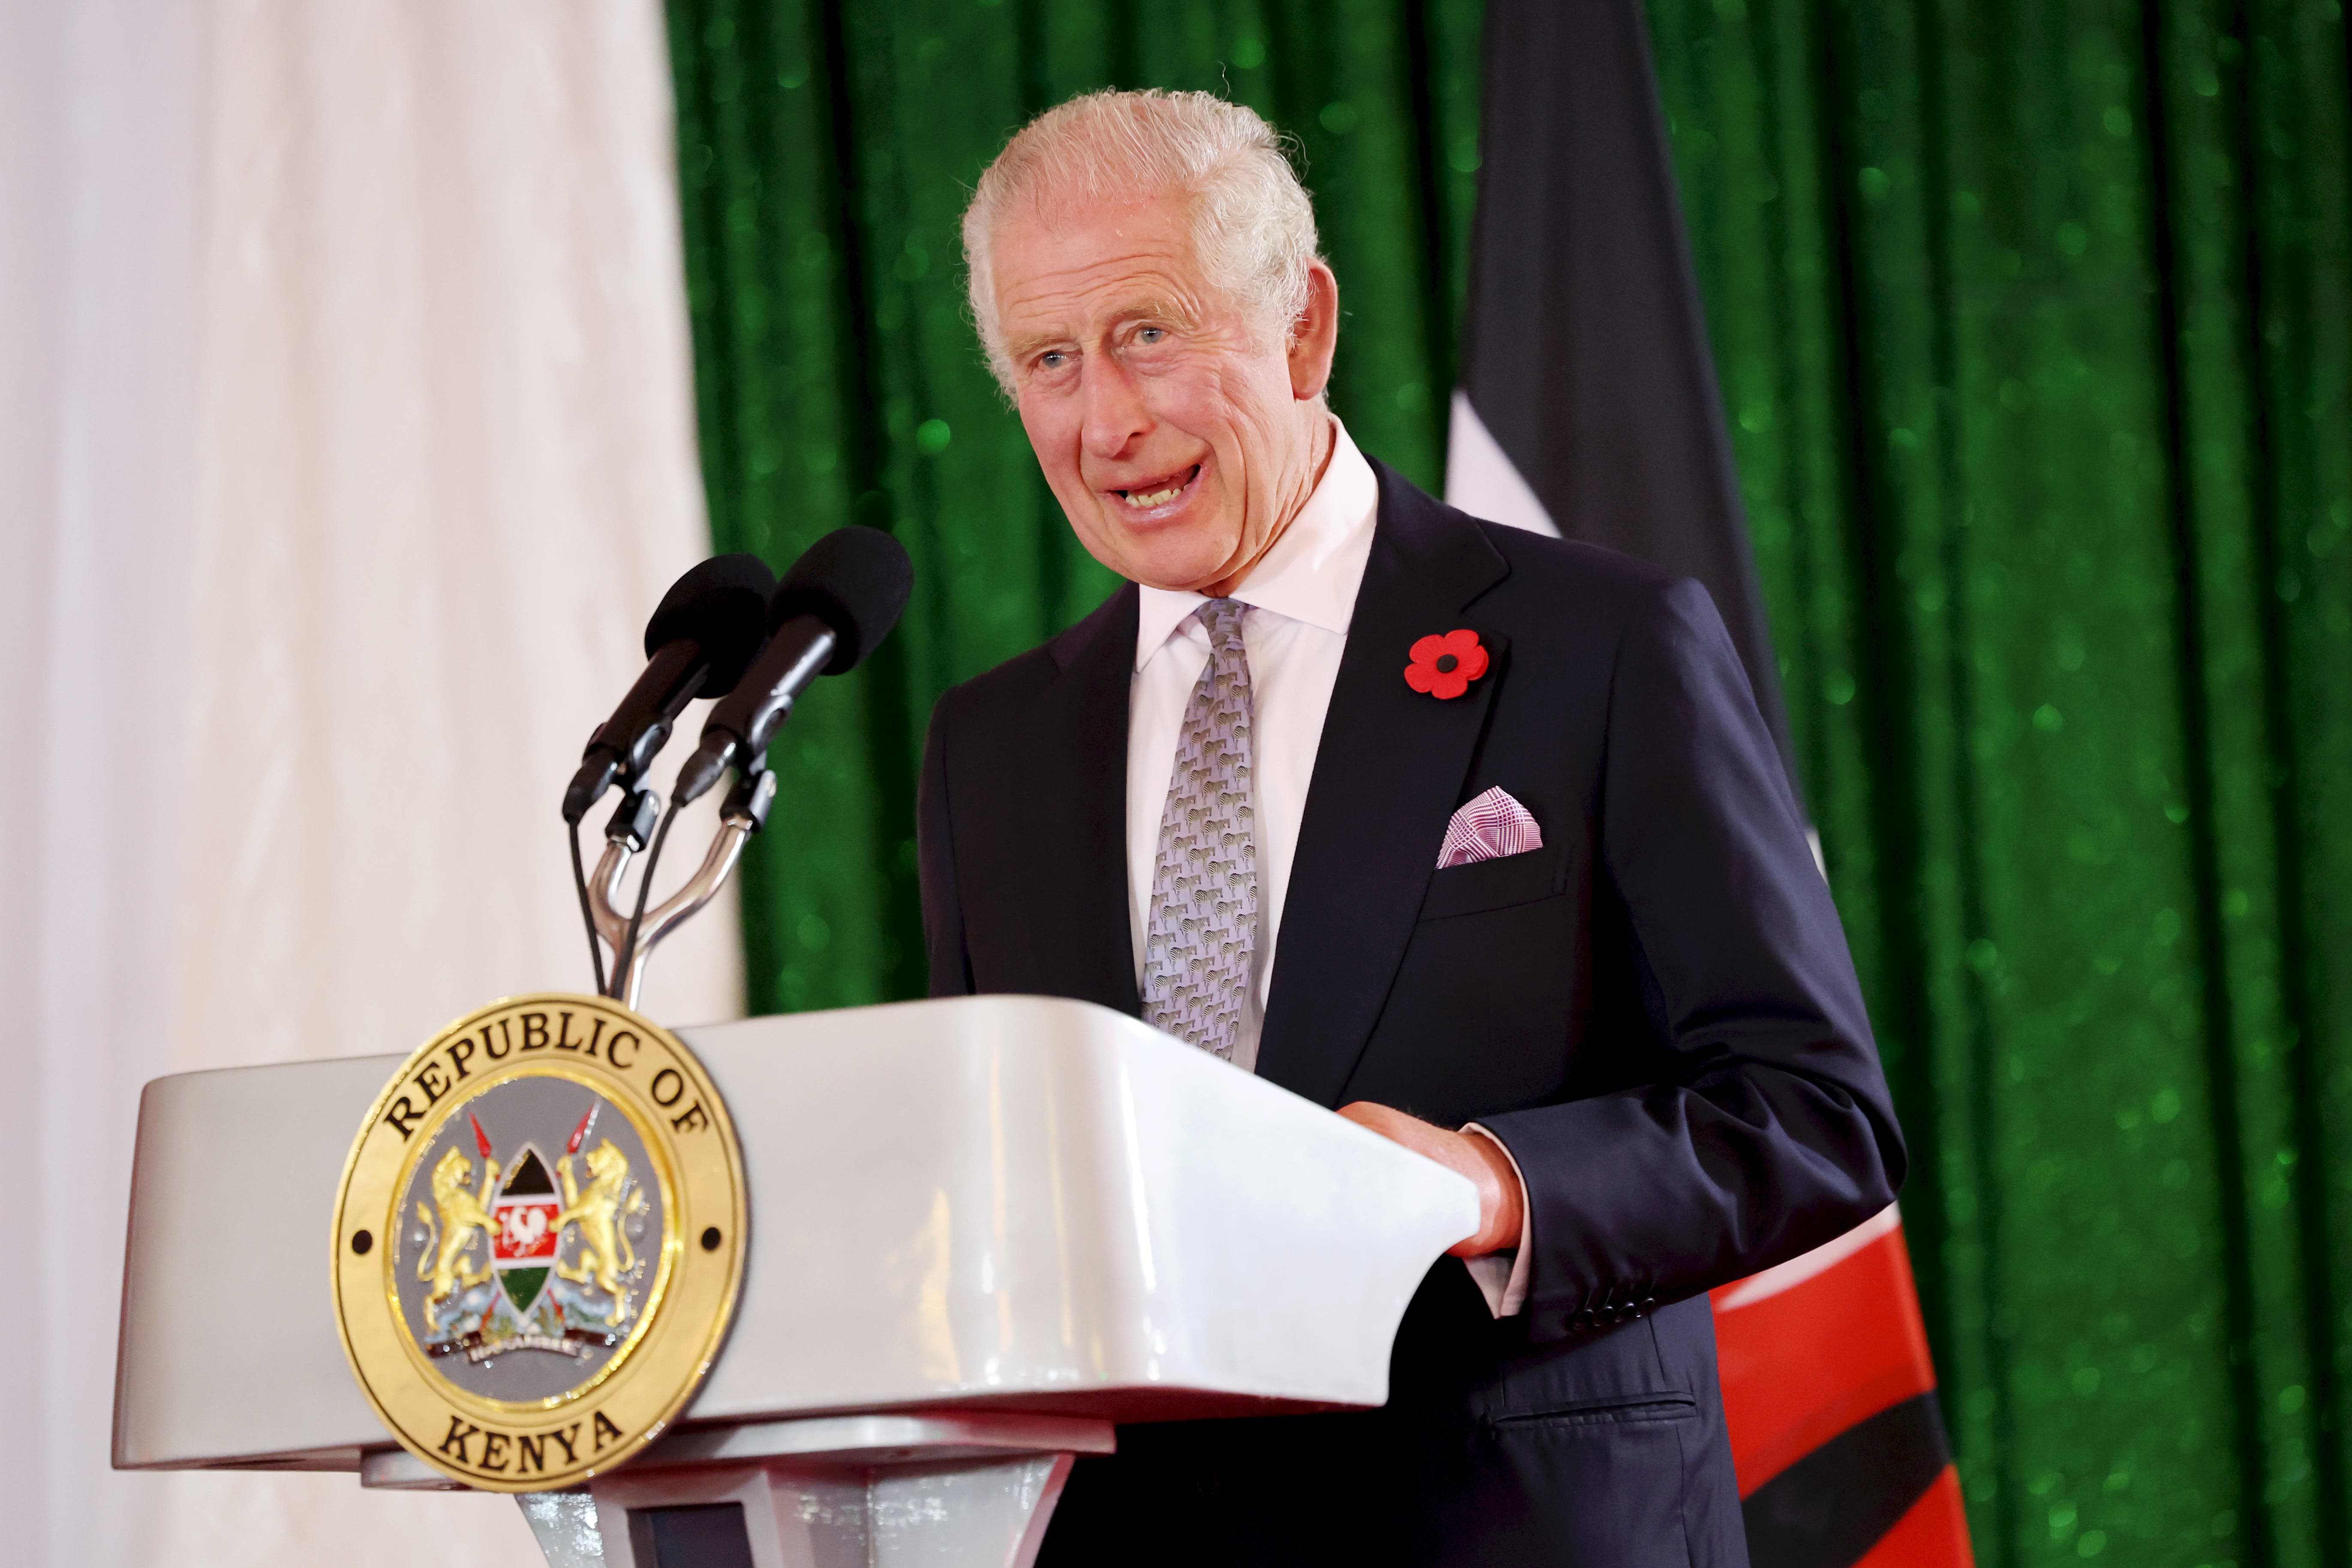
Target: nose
x=1115, y=414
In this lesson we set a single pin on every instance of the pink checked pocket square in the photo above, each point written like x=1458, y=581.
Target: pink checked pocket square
x=1488, y=828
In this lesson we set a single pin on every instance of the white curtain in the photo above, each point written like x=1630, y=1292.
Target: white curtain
x=345, y=443
x=96, y=177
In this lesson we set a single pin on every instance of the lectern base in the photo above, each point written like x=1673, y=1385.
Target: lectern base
x=971, y=1490
x=991, y=1511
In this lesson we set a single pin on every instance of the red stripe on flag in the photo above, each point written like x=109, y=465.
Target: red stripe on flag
x=1934, y=1535
x=1802, y=1365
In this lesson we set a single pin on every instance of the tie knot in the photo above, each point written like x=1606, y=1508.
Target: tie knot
x=1222, y=618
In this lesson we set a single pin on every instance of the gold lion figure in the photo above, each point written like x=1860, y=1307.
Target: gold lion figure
x=598, y=1210
x=461, y=1215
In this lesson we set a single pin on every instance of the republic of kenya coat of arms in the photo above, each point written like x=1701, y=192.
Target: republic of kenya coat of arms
x=540, y=1241
x=494, y=1258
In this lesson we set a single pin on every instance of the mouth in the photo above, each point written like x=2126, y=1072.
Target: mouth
x=1160, y=493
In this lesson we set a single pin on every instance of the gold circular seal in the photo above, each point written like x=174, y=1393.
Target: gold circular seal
x=538, y=1241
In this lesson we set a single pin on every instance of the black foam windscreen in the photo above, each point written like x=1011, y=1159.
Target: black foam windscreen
x=856, y=580
x=722, y=605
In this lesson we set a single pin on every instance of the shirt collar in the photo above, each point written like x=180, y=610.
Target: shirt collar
x=1312, y=572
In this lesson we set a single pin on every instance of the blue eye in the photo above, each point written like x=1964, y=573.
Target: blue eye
x=1153, y=334
x=1051, y=359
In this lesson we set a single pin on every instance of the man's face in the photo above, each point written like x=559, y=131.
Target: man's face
x=1180, y=435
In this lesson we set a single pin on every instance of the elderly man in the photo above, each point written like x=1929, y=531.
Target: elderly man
x=1475, y=835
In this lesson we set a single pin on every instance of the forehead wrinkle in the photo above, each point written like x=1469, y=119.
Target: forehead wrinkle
x=1145, y=246
x=1095, y=276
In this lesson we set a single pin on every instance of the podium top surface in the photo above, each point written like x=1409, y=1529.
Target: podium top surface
x=1002, y=1202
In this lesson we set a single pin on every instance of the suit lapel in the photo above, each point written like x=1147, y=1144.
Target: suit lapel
x=1387, y=775
x=1072, y=814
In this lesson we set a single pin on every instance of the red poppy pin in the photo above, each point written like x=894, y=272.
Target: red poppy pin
x=1444, y=666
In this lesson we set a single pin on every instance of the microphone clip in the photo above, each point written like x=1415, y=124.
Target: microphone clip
x=634, y=820
x=632, y=828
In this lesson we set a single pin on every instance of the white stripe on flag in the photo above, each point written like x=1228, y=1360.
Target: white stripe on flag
x=1481, y=479
x=1820, y=1260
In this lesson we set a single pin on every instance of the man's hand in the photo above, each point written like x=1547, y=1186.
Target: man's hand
x=1502, y=1212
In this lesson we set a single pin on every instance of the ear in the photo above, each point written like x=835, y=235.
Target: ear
x=1315, y=335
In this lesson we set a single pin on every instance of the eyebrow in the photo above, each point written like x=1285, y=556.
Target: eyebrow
x=1153, y=307
x=1019, y=349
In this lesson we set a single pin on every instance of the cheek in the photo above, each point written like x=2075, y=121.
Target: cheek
x=1230, y=408
x=1187, y=394
x=1055, y=429
x=1052, y=426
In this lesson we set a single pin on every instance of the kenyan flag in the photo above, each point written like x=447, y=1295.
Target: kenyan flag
x=1589, y=408
x=525, y=1245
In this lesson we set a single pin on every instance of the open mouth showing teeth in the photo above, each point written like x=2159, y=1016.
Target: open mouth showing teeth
x=1163, y=492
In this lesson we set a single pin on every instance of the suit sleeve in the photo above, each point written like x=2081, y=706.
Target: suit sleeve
x=943, y=940
x=1769, y=1129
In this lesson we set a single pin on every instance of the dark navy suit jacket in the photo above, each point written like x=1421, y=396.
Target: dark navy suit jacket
x=1655, y=1012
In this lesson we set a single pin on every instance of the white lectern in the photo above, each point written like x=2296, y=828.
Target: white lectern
x=982, y=1232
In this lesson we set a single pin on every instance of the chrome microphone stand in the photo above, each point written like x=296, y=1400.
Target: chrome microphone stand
x=744, y=813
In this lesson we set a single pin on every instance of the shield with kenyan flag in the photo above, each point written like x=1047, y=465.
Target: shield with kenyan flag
x=524, y=1247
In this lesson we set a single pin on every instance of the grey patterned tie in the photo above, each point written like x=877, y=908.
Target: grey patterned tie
x=1198, y=949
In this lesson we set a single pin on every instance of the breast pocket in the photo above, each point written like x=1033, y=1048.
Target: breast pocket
x=1495, y=884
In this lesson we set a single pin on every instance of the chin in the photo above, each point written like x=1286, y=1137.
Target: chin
x=1184, y=571
x=1161, y=558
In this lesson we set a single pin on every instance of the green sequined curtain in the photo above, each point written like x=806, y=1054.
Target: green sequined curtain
x=2032, y=322
x=2032, y=319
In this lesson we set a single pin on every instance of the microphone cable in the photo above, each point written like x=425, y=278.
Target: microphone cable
x=645, y=885
x=587, y=919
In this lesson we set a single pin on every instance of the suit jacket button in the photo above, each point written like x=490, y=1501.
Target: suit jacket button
x=1649, y=1303
x=1582, y=1318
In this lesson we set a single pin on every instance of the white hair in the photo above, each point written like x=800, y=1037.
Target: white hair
x=1252, y=226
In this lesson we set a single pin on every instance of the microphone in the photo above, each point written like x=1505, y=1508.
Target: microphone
x=836, y=603
x=703, y=634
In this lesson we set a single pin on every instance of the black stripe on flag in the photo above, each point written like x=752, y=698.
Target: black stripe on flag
x=1833, y=1506
x=1587, y=372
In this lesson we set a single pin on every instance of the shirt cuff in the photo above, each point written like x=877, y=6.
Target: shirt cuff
x=1501, y=1276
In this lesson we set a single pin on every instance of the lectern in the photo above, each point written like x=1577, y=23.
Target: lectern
x=980, y=1233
